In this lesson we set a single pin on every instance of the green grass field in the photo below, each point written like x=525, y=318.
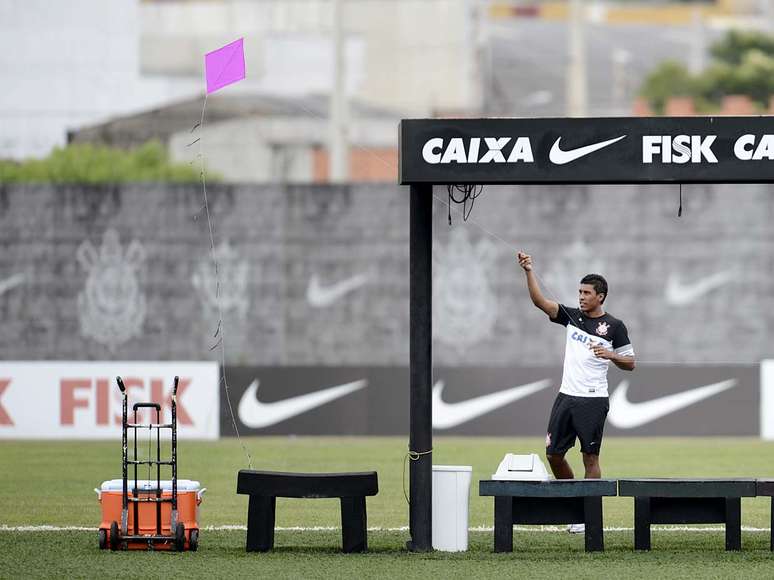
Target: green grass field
x=51, y=483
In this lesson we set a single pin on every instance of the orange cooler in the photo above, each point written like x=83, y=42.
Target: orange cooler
x=189, y=498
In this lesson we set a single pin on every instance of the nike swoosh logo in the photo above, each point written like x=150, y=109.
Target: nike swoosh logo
x=679, y=294
x=256, y=415
x=448, y=415
x=321, y=296
x=627, y=415
x=11, y=282
x=559, y=157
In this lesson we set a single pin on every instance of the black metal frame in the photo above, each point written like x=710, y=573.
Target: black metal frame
x=421, y=369
x=613, y=165
x=136, y=497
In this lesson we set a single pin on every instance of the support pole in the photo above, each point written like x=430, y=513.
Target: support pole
x=577, y=92
x=339, y=147
x=421, y=366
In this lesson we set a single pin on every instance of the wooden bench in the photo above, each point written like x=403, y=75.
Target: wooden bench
x=565, y=501
x=264, y=487
x=687, y=501
x=765, y=488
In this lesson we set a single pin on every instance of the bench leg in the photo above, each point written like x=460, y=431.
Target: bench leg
x=353, y=524
x=771, y=535
x=592, y=514
x=642, y=523
x=503, y=524
x=260, y=523
x=733, y=523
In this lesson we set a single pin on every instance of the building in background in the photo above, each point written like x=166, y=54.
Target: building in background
x=413, y=56
x=75, y=64
x=89, y=63
x=68, y=64
x=254, y=138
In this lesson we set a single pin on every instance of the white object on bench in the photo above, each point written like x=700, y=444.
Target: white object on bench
x=521, y=468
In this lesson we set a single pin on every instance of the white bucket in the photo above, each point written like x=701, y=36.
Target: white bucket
x=451, y=493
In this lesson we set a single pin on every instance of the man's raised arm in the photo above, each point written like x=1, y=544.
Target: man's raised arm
x=548, y=306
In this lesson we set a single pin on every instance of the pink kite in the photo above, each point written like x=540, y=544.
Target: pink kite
x=225, y=65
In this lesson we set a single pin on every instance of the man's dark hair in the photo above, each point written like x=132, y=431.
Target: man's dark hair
x=599, y=283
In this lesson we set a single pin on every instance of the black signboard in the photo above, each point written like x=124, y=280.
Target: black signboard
x=602, y=150
x=655, y=400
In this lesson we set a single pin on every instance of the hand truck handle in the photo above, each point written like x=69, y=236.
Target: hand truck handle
x=148, y=405
x=174, y=389
x=121, y=384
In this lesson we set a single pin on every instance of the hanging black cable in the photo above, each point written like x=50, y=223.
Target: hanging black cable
x=469, y=195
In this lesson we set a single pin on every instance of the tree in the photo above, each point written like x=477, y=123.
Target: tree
x=736, y=44
x=743, y=64
x=670, y=79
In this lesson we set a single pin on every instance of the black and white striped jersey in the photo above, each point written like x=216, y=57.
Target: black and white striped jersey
x=585, y=375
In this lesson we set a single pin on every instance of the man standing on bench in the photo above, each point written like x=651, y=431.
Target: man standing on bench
x=593, y=338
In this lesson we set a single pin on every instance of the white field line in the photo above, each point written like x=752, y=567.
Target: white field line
x=475, y=529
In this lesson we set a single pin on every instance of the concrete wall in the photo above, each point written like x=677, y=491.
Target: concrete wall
x=319, y=275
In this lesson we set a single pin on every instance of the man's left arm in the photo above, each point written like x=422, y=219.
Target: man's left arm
x=622, y=361
x=625, y=362
x=622, y=354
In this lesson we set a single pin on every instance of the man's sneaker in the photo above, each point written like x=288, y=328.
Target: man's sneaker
x=577, y=528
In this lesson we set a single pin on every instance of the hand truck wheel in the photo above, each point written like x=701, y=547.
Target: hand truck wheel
x=180, y=537
x=115, y=536
x=193, y=541
x=103, y=539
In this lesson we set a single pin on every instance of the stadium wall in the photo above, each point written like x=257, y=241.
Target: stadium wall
x=316, y=277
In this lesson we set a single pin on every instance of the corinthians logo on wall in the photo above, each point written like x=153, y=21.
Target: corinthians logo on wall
x=464, y=305
x=232, y=288
x=111, y=306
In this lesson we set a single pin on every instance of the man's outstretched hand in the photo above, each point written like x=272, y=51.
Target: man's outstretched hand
x=525, y=261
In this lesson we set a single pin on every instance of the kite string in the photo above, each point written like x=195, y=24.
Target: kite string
x=467, y=219
x=392, y=166
x=220, y=329
x=513, y=248
x=465, y=215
